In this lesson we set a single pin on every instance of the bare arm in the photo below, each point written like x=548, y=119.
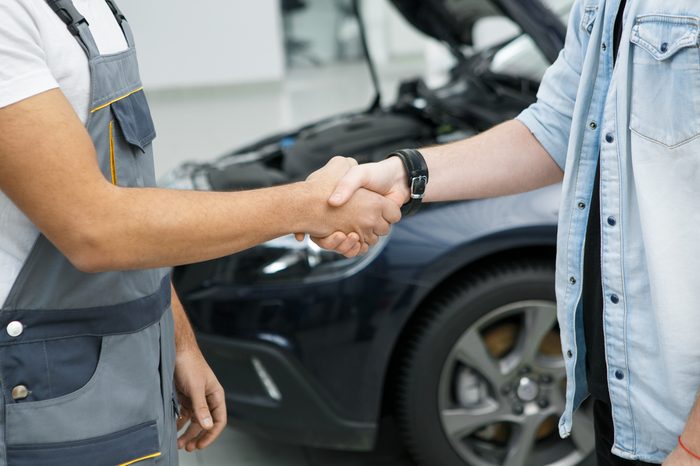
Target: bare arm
x=48, y=168
x=504, y=160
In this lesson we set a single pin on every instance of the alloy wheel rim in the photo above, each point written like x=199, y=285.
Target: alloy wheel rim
x=502, y=390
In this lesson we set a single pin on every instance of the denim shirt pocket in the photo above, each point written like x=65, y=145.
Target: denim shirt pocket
x=665, y=103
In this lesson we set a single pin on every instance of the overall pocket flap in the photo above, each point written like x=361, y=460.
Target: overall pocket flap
x=664, y=35
x=129, y=446
x=135, y=119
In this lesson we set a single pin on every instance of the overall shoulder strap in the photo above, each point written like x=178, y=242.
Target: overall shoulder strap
x=116, y=11
x=121, y=19
x=76, y=24
x=68, y=14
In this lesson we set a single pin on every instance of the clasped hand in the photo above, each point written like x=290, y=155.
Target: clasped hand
x=363, y=201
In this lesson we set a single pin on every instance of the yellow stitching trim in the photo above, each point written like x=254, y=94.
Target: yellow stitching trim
x=116, y=100
x=154, y=455
x=112, y=161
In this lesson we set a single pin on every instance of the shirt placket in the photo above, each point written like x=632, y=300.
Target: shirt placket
x=599, y=140
x=614, y=299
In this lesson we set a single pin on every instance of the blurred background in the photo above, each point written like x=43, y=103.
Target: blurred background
x=220, y=74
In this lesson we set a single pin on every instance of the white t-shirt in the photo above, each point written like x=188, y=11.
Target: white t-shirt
x=37, y=53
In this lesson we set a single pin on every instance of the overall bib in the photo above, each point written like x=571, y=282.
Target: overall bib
x=87, y=360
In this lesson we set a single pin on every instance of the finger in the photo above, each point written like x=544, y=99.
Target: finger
x=299, y=236
x=391, y=212
x=356, y=250
x=382, y=228
x=371, y=239
x=201, y=408
x=365, y=249
x=331, y=242
x=351, y=246
x=339, y=162
x=186, y=440
x=351, y=182
x=217, y=405
x=346, y=247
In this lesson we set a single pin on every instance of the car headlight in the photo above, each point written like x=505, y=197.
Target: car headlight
x=287, y=260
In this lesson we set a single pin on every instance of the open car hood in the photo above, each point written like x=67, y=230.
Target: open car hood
x=452, y=21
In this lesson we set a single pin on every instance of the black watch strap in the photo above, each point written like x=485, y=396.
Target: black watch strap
x=417, y=171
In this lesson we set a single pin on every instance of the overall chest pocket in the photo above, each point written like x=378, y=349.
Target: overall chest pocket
x=665, y=79
x=131, y=134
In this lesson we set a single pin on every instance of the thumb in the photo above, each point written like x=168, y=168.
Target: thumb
x=353, y=180
x=201, y=409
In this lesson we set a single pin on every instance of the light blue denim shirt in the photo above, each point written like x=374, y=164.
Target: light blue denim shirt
x=643, y=119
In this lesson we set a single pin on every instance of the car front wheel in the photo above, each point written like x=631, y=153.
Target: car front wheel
x=482, y=381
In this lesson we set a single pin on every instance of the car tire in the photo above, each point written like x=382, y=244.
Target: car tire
x=447, y=386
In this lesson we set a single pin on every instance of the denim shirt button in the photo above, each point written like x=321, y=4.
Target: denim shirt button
x=664, y=47
x=569, y=354
x=611, y=221
x=619, y=375
x=614, y=299
x=609, y=137
x=572, y=280
x=604, y=46
x=581, y=205
x=593, y=125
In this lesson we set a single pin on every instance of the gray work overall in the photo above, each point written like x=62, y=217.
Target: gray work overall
x=87, y=360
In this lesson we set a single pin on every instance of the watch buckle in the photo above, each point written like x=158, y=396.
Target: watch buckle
x=418, y=184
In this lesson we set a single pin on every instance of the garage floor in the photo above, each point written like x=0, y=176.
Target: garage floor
x=235, y=448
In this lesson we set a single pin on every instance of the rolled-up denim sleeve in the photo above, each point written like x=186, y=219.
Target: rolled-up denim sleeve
x=549, y=119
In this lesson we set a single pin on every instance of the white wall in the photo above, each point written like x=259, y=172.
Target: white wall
x=207, y=42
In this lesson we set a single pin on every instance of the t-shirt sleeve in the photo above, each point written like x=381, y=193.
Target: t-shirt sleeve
x=23, y=68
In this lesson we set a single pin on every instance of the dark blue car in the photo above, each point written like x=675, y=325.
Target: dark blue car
x=448, y=325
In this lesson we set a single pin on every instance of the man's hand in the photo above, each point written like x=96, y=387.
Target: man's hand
x=356, y=223
x=678, y=457
x=201, y=396
x=202, y=402
x=387, y=178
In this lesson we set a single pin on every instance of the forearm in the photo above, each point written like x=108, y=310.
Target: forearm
x=504, y=160
x=49, y=169
x=144, y=228
x=184, y=335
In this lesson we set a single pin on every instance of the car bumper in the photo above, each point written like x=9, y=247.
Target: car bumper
x=268, y=393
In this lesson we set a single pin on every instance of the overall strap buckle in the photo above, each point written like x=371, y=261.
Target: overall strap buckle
x=116, y=11
x=68, y=14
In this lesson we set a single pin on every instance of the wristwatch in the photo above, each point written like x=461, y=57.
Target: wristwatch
x=417, y=171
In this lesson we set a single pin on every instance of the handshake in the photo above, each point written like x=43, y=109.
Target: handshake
x=359, y=203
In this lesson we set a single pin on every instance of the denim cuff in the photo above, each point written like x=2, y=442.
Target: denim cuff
x=552, y=143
